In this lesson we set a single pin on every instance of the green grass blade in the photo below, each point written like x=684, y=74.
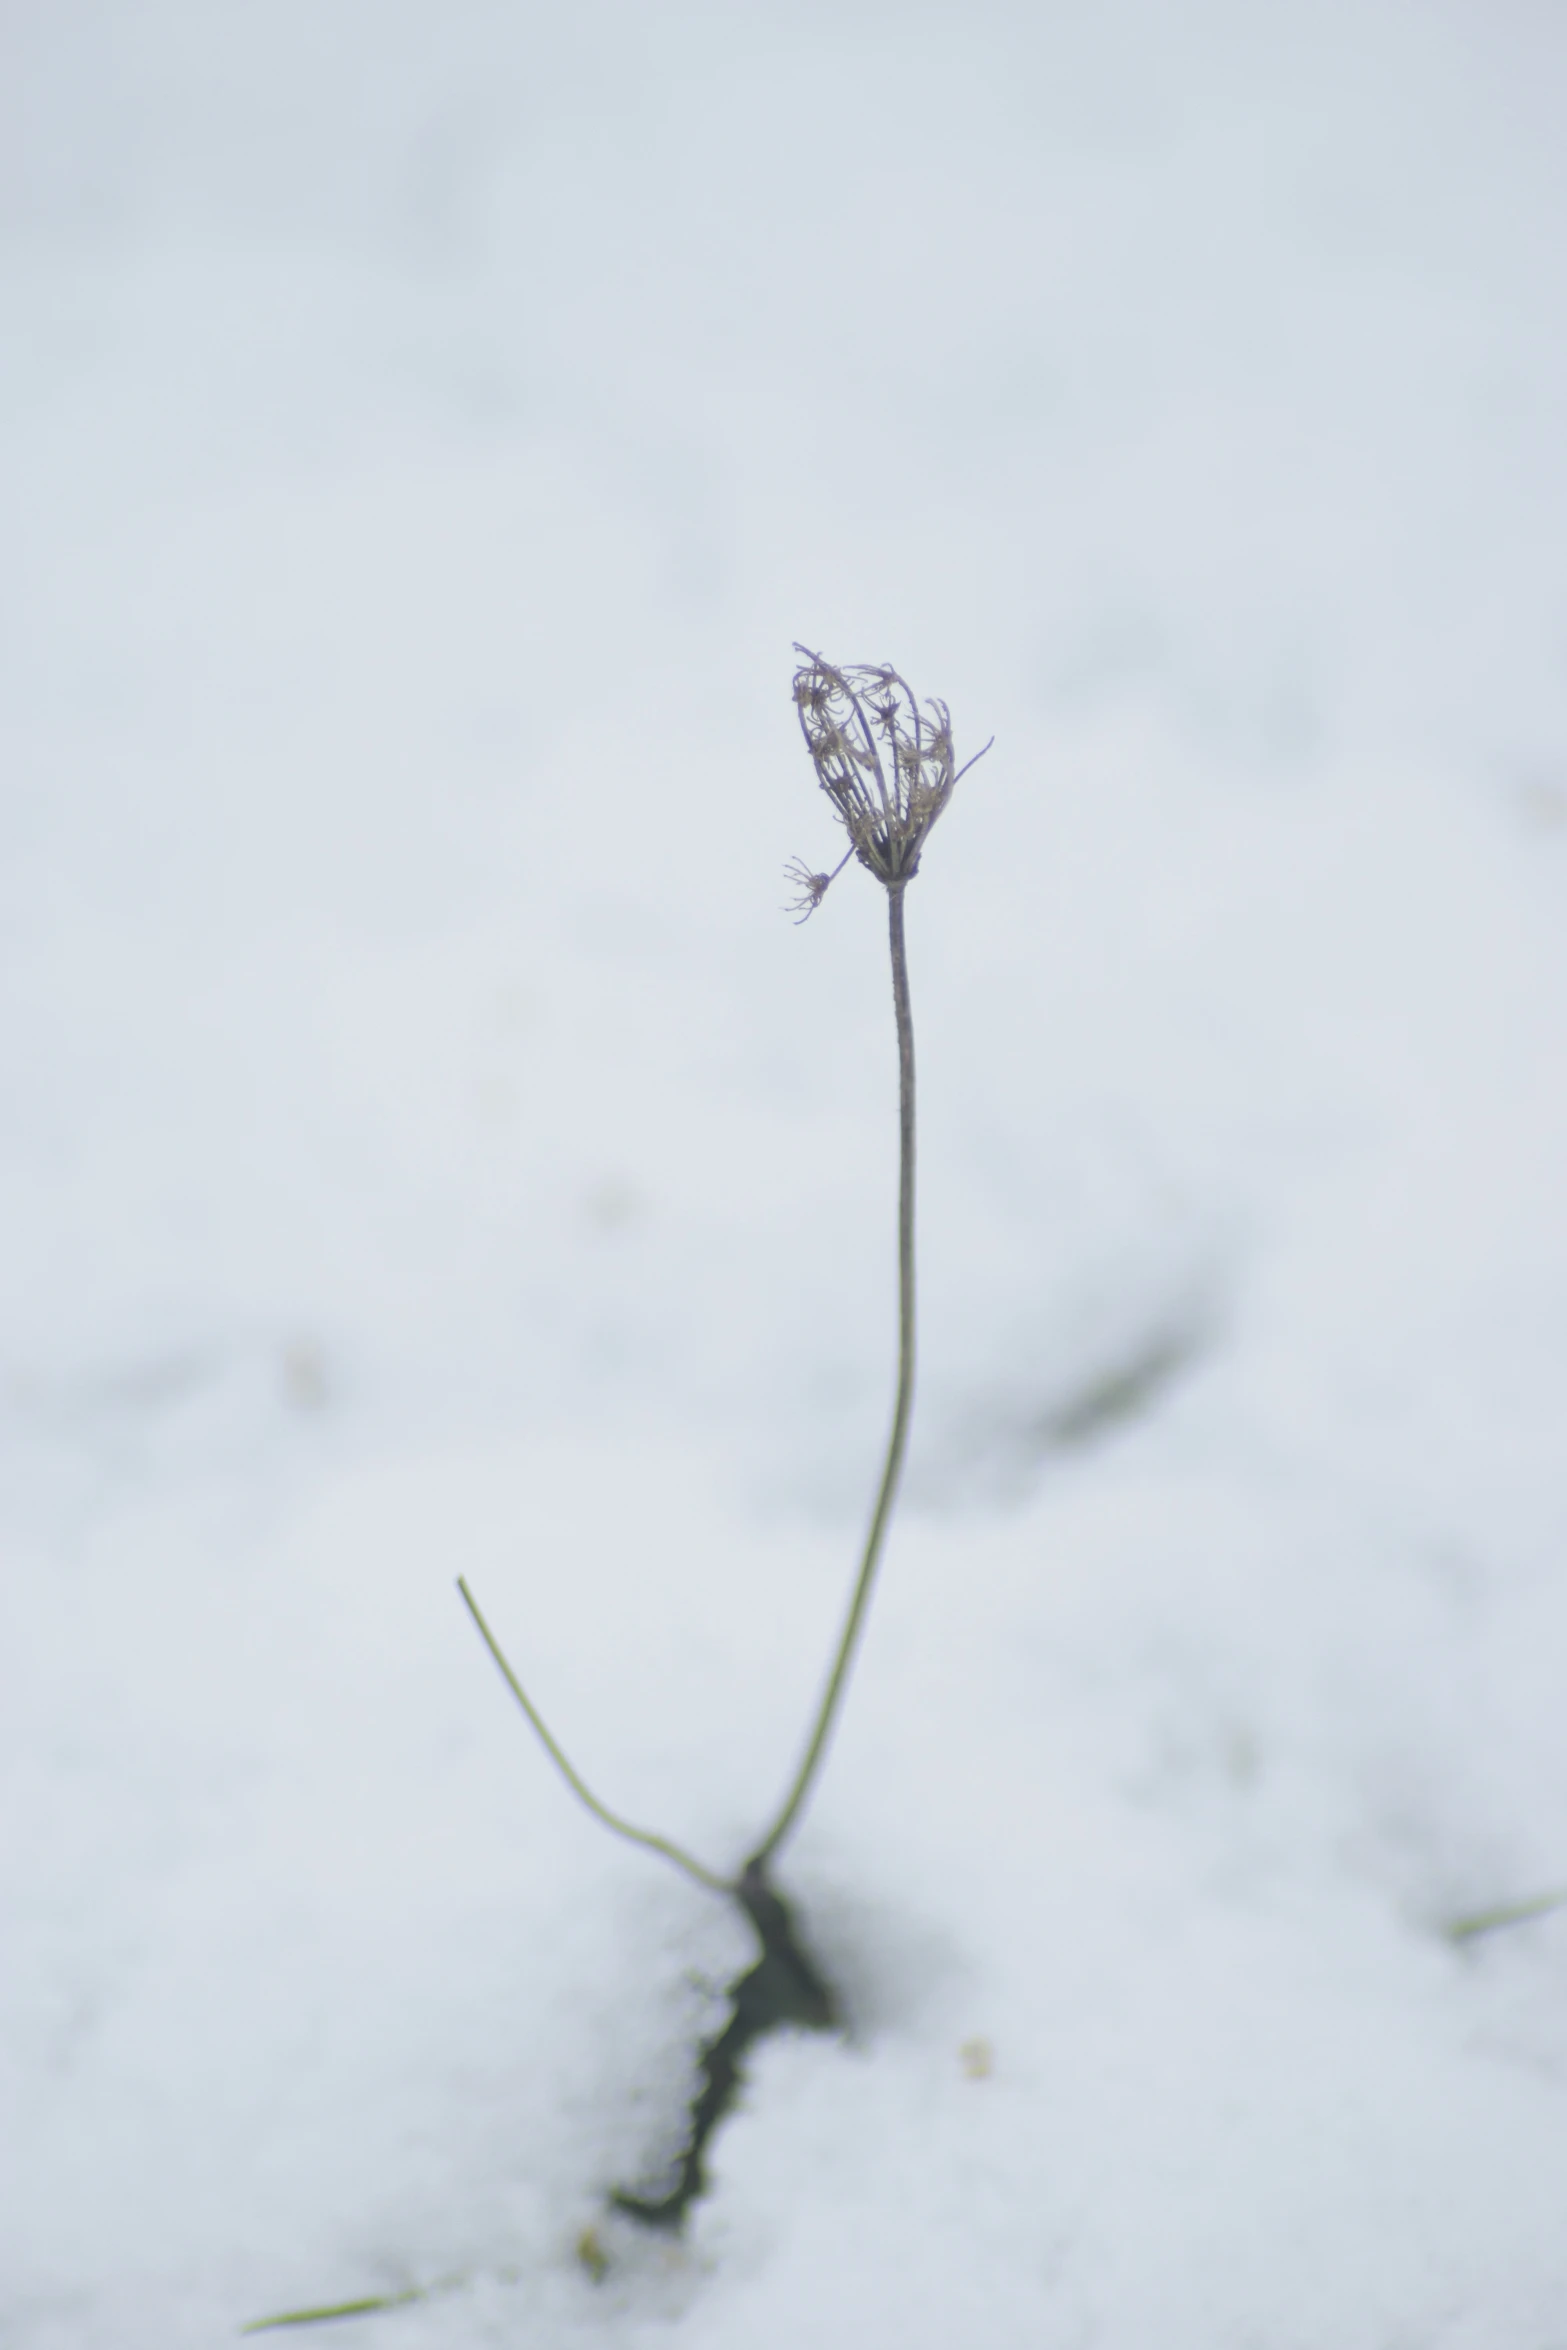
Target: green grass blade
x=1510, y=1913
x=319, y=2317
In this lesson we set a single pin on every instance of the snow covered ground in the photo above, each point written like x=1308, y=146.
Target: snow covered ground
x=428, y=1149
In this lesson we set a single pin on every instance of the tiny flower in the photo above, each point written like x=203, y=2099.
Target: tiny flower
x=885, y=762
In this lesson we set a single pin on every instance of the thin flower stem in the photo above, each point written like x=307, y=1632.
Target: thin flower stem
x=584, y=1794
x=897, y=1442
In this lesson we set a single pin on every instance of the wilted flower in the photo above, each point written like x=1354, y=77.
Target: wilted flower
x=883, y=760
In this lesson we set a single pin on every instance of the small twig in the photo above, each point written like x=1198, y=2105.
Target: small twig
x=583, y=1793
x=1508, y=1913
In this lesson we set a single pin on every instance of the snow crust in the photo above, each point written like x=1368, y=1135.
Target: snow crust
x=429, y=1150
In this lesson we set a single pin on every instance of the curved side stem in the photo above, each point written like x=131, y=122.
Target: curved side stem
x=584, y=1794
x=897, y=1442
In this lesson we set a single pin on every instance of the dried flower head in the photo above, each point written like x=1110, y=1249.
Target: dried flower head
x=883, y=760
x=813, y=887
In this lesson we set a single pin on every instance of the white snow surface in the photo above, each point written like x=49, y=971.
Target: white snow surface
x=429, y=1149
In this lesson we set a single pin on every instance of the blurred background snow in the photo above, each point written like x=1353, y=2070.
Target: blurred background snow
x=429, y=1149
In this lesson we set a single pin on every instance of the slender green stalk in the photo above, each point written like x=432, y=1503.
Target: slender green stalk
x=903, y=1404
x=1509, y=1913
x=364, y=2304
x=324, y=2316
x=584, y=1794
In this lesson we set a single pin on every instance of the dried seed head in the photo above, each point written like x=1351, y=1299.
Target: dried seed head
x=883, y=761
x=813, y=887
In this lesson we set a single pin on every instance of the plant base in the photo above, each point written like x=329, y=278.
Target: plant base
x=782, y=1988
